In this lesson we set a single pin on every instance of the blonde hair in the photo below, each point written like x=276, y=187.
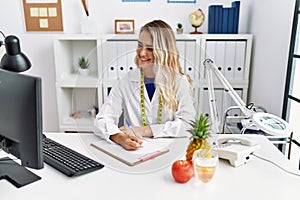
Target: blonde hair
x=166, y=61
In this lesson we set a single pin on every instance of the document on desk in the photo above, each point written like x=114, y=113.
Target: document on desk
x=150, y=149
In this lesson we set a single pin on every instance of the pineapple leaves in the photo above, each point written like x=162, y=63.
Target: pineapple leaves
x=200, y=127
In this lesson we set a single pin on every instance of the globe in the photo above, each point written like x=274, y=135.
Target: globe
x=196, y=19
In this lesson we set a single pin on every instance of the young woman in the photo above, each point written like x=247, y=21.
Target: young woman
x=155, y=97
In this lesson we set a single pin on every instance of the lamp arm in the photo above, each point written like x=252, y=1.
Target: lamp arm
x=214, y=116
x=211, y=68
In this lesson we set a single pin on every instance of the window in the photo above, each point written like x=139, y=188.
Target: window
x=291, y=103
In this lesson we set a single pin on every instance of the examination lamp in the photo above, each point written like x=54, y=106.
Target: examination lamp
x=14, y=60
x=267, y=122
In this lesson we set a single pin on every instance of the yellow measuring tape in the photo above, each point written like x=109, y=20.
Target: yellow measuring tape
x=143, y=109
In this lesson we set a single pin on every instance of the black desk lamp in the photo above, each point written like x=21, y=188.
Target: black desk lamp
x=14, y=60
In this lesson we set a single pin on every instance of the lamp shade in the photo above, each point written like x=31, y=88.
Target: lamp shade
x=14, y=60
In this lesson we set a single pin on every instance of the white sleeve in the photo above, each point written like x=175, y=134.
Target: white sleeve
x=106, y=122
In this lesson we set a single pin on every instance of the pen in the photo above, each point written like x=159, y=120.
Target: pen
x=129, y=125
x=136, y=135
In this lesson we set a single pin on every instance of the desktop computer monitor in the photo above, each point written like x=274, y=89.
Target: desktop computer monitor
x=20, y=126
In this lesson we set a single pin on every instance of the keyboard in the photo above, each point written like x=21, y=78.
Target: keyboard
x=66, y=160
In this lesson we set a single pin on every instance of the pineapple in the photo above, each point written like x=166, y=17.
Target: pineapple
x=200, y=133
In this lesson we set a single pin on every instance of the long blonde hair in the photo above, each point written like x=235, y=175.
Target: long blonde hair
x=166, y=61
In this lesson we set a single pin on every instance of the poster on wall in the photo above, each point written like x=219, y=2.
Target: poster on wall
x=43, y=15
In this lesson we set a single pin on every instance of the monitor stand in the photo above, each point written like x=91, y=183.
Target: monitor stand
x=17, y=174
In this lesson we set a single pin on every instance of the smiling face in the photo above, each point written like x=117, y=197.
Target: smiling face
x=145, y=56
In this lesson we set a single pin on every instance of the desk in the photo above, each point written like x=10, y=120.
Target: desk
x=255, y=180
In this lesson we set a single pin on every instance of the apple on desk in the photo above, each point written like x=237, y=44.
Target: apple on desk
x=182, y=171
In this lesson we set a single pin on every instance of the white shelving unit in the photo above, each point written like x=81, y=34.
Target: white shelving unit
x=113, y=55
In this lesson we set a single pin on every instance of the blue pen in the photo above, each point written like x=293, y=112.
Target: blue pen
x=129, y=125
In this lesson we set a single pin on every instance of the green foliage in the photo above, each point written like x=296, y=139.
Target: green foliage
x=83, y=62
x=200, y=127
x=179, y=25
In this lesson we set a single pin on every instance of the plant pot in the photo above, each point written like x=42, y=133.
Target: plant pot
x=179, y=30
x=83, y=72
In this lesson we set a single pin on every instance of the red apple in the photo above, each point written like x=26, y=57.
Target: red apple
x=182, y=170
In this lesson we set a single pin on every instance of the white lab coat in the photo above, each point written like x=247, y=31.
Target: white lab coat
x=125, y=97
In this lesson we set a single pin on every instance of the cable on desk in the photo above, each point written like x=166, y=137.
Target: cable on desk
x=270, y=161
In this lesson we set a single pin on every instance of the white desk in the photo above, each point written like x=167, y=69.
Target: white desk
x=255, y=180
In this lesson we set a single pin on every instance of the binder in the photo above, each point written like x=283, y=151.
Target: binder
x=225, y=20
x=110, y=59
x=181, y=48
x=211, y=18
x=131, y=52
x=236, y=7
x=229, y=60
x=150, y=150
x=240, y=55
x=218, y=18
x=190, y=62
x=121, y=58
x=220, y=57
x=230, y=21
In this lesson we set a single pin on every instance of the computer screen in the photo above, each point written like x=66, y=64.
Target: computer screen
x=20, y=126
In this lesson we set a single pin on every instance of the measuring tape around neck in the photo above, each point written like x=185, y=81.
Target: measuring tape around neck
x=143, y=109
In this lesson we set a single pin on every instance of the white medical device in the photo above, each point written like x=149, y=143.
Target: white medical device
x=237, y=151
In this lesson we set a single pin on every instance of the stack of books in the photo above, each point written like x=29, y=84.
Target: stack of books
x=224, y=20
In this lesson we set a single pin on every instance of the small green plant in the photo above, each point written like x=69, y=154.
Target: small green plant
x=83, y=62
x=179, y=25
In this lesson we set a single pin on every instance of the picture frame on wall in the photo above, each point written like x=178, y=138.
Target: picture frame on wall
x=181, y=1
x=124, y=26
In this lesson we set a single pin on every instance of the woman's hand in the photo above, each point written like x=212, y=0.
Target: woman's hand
x=127, y=141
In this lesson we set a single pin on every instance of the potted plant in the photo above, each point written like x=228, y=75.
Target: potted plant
x=83, y=64
x=179, y=28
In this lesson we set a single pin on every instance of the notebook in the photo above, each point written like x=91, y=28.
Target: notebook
x=150, y=149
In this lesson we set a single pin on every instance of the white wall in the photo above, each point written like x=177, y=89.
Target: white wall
x=253, y=19
x=271, y=25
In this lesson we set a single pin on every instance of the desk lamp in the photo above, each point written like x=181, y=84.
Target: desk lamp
x=267, y=122
x=14, y=60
